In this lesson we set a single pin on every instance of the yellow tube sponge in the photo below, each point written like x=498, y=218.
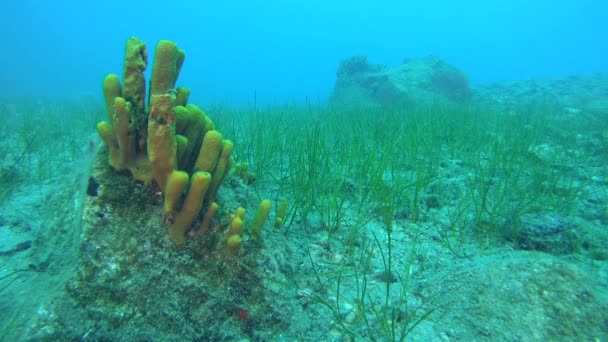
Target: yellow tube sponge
x=181, y=57
x=182, y=146
x=233, y=238
x=181, y=98
x=280, y=214
x=207, y=218
x=190, y=209
x=182, y=118
x=190, y=122
x=241, y=170
x=208, y=124
x=111, y=90
x=234, y=243
x=165, y=68
x=141, y=169
x=162, y=145
x=107, y=134
x=259, y=219
x=221, y=170
x=175, y=186
x=240, y=212
x=134, y=81
x=209, y=152
x=203, y=123
x=236, y=226
x=124, y=133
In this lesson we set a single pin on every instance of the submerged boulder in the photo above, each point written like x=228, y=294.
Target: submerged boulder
x=415, y=81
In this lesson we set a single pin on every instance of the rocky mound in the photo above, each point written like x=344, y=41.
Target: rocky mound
x=416, y=80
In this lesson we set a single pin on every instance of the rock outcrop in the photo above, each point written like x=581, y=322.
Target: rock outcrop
x=415, y=81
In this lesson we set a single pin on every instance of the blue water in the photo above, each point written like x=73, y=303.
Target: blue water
x=279, y=51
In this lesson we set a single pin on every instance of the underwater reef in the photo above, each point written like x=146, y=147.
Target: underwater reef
x=423, y=209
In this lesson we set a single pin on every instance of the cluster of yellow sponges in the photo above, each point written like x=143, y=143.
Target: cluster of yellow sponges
x=241, y=170
x=172, y=143
x=234, y=238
